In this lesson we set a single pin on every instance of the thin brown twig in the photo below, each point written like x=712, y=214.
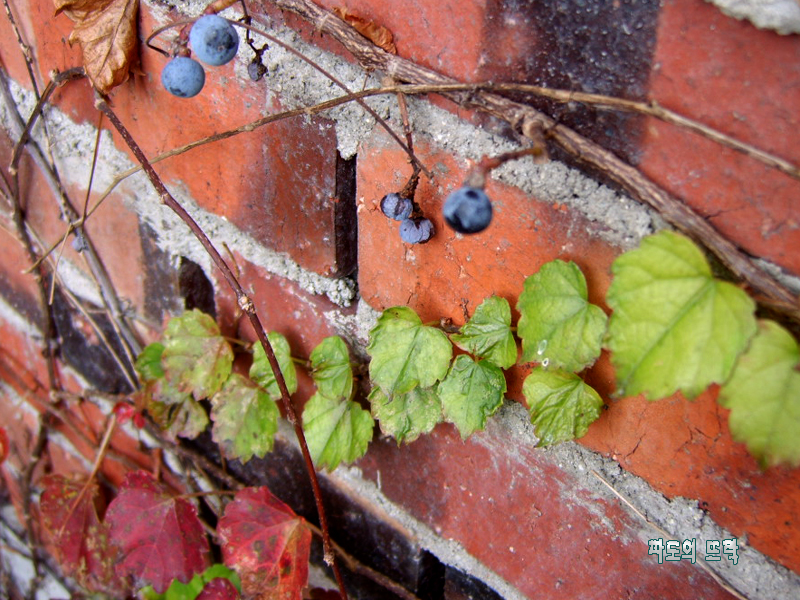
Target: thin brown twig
x=358, y=567
x=25, y=49
x=246, y=304
x=96, y=268
x=99, y=457
x=524, y=118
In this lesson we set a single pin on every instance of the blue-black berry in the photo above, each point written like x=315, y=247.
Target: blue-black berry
x=183, y=77
x=468, y=210
x=396, y=207
x=214, y=40
x=416, y=231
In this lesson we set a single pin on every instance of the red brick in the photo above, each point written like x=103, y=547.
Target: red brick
x=743, y=81
x=516, y=511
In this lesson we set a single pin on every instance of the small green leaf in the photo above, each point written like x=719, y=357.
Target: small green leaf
x=245, y=419
x=196, y=358
x=558, y=326
x=405, y=353
x=406, y=416
x=148, y=363
x=336, y=430
x=186, y=419
x=470, y=393
x=331, y=370
x=562, y=406
x=674, y=326
x=261, y=372
x=763, y=395
x=488, y=333
x=190, y=591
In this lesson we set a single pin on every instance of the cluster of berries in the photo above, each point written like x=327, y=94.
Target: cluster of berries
x=214, y=41
x=413, y=230
x=466, y=210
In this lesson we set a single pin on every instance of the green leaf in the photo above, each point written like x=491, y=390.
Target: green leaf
x=245, y=419
x=558, y=326
x=562, y=406
x=190, y=591
x=470, y=393
x=186, y=419
x=196, y=358
x=763, y=395
x=406, y=416
x=148, y=363
x=488, y=333
x=674, y=326
x=336, y=430
x=331, y=370
x=405, y=353
x=261, y=372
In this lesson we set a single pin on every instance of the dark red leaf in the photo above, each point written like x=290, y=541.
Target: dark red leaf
x=160, y=537
x=219, y=589
x=80, y=539
x=3, y=445
x=266, y=543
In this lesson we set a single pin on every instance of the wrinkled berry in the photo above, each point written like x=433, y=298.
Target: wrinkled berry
x=468, y=210
x=396, y=207
x=183, y=77
x=214, y=40
x=416, y=231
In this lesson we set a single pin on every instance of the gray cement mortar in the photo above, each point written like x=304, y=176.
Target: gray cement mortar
x=782, y=16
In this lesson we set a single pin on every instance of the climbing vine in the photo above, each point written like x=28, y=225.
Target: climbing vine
x=673, y=327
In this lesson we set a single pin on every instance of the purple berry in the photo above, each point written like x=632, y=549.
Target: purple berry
x=416, y=231
x=213, y=40
x=396, y=207
x=468, y=210
x=183, y=77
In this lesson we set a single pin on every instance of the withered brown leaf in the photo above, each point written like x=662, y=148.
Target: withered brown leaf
x=106, y=31
x=378, y=35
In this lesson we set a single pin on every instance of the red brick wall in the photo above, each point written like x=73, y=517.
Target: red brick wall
x=317, y=254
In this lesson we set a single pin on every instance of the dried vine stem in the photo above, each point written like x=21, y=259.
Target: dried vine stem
x=96, y=269
x=247, y=306
x=525, y=119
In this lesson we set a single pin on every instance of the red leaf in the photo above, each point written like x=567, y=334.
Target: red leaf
x=160, y=537
x=266, y=543
x=80, y=539
x=3, y=445
x=219, y=589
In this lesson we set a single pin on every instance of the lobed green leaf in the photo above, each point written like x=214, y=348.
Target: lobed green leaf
x=337, y=430
x=406, y=416
x=330, y=368
x=674, y=326
x=558, y=326
x=471, y=392
x=261, y=371
x=561, y=405
x=196, y=358
x=405, y=353
x=148, y=363
x=245, y=419
x=763, y=395
x=488, y=333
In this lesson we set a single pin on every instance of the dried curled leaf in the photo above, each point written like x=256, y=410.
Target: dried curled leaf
x=106, y=31
x=380, y=36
